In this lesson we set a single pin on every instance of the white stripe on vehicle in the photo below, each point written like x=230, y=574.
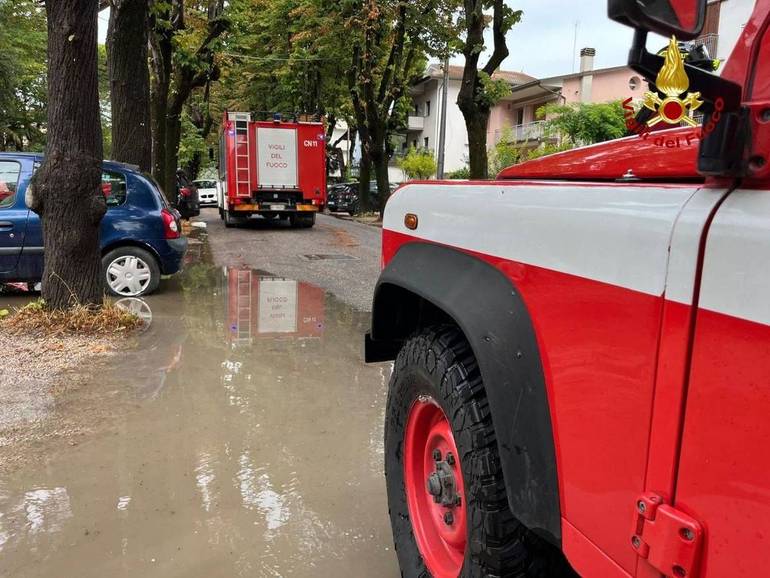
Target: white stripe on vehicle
x=616, y=234
x=736, y=268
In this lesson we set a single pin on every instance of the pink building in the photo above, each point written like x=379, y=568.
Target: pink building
x=515, y=116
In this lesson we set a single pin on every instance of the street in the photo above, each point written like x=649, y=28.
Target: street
x=241, y=436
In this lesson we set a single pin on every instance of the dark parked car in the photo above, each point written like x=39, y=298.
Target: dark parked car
x=187, y=202
x=140, y=233
x=343, y=197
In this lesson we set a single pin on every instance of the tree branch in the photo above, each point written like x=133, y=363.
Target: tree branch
x=500, y=52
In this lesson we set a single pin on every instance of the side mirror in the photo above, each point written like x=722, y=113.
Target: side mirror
x=682, y=18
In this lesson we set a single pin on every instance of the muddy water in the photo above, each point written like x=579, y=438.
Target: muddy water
x=248, y=444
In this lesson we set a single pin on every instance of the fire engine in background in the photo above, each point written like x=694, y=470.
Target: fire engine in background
x=276, y=169
x=582, y=347
x=260, y=306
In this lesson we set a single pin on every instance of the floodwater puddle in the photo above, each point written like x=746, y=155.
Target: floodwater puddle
x=244, y=439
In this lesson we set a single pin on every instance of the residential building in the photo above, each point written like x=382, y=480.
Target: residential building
x=725, y=20
x=516, y=116
x=424, y=121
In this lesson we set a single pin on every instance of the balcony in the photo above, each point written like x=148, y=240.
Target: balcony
x=521, y=133
x=710, y=41
x=415, y=123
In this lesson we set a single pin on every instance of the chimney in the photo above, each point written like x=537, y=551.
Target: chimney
x=586, y=67
x=587, y=59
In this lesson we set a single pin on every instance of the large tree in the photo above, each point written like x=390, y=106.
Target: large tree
x=478, y=92
x=66, y=189
x=184, y=42
x=129, y=76
x=388, y=45
x=286, y=56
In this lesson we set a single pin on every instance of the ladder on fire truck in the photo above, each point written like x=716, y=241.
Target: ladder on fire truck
x=243, y=305
x=242, y=148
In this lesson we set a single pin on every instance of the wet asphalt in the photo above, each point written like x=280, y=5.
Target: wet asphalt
x=241, y=435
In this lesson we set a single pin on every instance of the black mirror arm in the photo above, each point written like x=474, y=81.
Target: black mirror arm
x=709, y=85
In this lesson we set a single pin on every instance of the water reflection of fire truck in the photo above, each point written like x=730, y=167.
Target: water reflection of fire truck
x=265, y=306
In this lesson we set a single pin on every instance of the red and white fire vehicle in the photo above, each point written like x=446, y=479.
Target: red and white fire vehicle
x=263, y=306
x=582, y=347
x=276, y=169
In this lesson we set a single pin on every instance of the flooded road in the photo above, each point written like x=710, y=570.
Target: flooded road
x=245, y=439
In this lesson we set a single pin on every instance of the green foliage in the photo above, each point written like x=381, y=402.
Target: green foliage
x=492, y=91
x=584, y=124
x=104, y=101
x=545, y=149
x=192, y=142
x=460, y=174
x=418, y=164
x=23, y=94
x=505, y=153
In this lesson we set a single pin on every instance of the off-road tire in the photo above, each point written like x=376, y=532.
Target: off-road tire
x=439, y=363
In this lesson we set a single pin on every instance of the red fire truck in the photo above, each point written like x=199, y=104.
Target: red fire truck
x=276, y=169
x=263, y=306
x=581, y=380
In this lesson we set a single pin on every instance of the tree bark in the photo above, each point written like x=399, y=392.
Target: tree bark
x=364, y=176
x=471, y=99
x=380, y=162
x=478, y=162
x=160, y=81
x=66, y=190
x=129, y=82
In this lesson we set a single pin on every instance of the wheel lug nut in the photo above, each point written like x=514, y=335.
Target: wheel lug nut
x=449, y=519
x=437, y=455
x=450, y=459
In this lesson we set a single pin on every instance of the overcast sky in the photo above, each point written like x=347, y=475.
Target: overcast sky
x=542, y=43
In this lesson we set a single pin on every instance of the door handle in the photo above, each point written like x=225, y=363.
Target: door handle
x=6, y=226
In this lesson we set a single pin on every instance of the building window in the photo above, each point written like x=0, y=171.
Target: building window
x=427, y=108
x=520, y=116
x=425, y=142
x=634, y=82
x=416, y=110
x=414, y=143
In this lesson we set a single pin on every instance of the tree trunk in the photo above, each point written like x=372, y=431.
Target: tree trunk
x=173, y=133
x=160, y=82
x=364, y=176
x=476, y=124
x=66, y=190
x=129, y=82
x=380, y=163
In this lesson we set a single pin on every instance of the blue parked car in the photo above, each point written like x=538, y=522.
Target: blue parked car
x=140, y=233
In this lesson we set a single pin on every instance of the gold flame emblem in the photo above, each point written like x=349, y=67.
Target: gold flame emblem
x=672, y=81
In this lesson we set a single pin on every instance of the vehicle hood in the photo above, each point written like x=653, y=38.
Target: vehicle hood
x=664, y=155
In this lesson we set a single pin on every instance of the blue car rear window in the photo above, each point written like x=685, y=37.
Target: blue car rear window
x=9, y=180
x=114, y=188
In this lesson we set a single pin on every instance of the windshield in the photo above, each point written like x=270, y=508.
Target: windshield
x=206, y=184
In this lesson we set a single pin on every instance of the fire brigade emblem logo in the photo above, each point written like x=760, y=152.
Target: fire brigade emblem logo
x=672, y=81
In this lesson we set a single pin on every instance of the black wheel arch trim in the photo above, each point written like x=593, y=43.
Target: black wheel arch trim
x=492, y=315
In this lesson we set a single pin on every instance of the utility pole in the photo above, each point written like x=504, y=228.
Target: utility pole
x=574, y=45
x=442, y=121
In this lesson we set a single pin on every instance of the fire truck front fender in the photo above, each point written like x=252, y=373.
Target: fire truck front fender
x=426, y=284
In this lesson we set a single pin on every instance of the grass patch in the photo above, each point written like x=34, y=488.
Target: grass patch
x=35, y=319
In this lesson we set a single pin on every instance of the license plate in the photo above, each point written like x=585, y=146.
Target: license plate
x=277, y=207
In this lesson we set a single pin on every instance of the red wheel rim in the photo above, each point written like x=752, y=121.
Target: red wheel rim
x=439, y=526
